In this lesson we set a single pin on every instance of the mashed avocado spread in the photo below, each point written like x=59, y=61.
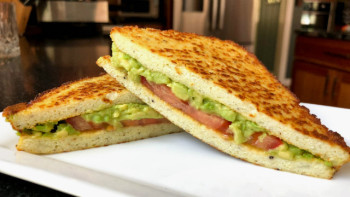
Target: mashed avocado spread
x=111, y=115
x=241, y=127
x=51, y=129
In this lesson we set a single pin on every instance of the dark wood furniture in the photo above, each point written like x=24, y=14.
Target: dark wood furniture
x=321, y=71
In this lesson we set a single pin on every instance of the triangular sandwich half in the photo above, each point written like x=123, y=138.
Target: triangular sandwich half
x=224, y=96
x=83, y=114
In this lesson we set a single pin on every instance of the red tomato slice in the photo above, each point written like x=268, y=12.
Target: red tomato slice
x=267, y=143
x=165, y=93
x=211, y=121
x=130, y=123
x=142, y=122
x=80, y=124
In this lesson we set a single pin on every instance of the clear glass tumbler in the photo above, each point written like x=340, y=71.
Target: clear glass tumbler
x=9, y=41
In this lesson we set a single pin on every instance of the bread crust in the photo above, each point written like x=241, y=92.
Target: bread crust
x=65, y=94
x=215, y=139
x=69, y=100
x=225, y=72
x=230, y=67
x=92, y=139
x=14, y=109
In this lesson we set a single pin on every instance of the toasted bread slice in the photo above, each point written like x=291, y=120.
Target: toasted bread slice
x=228, y=74
x=69, y=100
x=92, y=139
x=73, y=99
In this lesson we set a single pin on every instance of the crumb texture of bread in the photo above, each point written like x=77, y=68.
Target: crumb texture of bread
x=69, y=100
x=225, y=72
x=92, y=139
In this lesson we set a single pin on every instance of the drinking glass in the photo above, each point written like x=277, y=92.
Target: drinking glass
x=9, y=42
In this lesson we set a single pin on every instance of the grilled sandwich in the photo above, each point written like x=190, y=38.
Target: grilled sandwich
x=223, y=95
x=87, y=113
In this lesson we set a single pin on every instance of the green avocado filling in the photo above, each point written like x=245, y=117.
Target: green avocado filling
x=242, y=128
x=112, y=116
x=50, y=129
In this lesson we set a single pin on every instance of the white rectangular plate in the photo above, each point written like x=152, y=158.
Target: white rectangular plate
x=171, y=165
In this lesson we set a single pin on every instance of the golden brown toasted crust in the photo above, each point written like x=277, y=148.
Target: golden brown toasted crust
x=87, y=88
x=239, y=72
x=314, y=167
x=13, y=109
x=68, y=100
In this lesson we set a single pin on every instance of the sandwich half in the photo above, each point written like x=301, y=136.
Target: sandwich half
x=222, y=95
x=87, y=113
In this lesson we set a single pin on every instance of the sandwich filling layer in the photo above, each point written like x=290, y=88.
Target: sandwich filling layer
x=228, y=123
x=111, y=118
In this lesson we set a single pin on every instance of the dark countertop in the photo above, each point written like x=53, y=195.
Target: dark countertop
x=45, y=63
x=324, y=34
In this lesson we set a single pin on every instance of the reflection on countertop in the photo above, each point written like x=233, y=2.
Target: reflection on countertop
x=48, y=62
x=324, y=34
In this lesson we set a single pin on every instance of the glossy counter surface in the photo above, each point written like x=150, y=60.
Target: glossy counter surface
x=324, y=34
x=45, y=63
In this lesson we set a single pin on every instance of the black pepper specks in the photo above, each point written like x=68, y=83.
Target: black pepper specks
x=271, y=157
x=152, y=101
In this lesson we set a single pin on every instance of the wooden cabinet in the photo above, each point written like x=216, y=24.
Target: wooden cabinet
x=321, y=71
x=310, y=83
x=342, y=90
